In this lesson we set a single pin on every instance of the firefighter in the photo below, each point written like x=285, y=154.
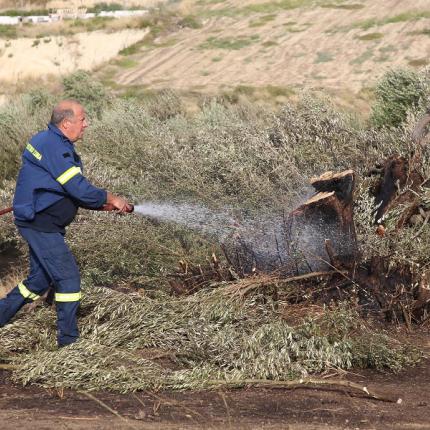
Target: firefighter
x=50, y=188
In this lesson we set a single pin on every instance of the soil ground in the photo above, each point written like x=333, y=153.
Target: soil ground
x=303, y=408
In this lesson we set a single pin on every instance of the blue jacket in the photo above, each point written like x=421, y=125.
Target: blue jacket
x=51, y=170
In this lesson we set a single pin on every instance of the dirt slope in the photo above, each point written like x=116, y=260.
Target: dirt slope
x=26, y=58
x=326, y=47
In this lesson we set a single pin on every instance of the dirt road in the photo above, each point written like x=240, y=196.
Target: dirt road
x=37, y=408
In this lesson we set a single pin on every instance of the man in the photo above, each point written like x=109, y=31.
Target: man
x=50, y=188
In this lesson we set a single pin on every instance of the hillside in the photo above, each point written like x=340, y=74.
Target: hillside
x=343, y=47
x=271, y=49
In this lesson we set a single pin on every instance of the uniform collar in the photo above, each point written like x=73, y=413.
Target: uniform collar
x=58, y=132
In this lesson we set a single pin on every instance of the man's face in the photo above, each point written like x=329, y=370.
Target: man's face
x=75, y=127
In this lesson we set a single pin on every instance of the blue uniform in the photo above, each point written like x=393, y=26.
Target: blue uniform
x=50, y=188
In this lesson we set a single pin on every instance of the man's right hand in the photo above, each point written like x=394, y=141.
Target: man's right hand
x=120, y=204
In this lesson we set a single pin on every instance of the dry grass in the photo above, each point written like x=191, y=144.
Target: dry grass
x=11, y=280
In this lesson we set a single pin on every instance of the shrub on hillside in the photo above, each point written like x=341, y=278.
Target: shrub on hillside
x=104, y=6
x=22, y=12
x=163, y=104
x=7, y=31
x=190, y=21
x=91, y=93
x=396, y=93
x=18, y=121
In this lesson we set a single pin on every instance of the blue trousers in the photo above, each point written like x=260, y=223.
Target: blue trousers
x=51, y=263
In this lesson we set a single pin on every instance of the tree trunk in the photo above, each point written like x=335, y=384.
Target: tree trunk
x=321, y=233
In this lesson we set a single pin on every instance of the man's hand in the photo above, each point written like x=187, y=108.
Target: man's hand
x=120, y=204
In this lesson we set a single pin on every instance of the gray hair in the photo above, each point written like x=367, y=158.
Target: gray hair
x=64, y=110
x=58, y=115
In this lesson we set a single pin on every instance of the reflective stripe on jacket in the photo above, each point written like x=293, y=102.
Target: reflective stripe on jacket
x=51, y=169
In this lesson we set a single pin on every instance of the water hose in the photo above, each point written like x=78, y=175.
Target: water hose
x=6, y=211
x=108, y=207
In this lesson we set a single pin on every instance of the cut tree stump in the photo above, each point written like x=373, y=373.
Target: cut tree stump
x=317, y=236
x=321, y=233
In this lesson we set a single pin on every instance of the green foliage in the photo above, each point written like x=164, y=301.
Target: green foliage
x=226, y=43
x=22, y=12
x=240, y=153
x=146, y=148
x=141, y=257
x=93, y=24
x=104, y=6
x=132, y=49
x=159, y=21
x=8, y=232
x=371, y=36
x=262, y=20
x=413, y=15
x=269, y=43
x=324, y=57
x=90, y=93
x=38, y=100
x=8, y=31
x=190, y=21
x=126, y=63
x=163, y=105
x=366, y=55
x=347, y=6
x=18, y=121
x=419, y=62
x=396, y=93
x=380, y=352
x=278, y=91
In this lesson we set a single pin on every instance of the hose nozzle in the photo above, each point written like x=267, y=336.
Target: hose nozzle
x=108, y=207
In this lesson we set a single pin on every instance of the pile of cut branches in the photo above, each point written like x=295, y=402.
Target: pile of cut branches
x=213, y=337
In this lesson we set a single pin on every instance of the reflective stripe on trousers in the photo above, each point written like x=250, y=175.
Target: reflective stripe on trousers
x=51, y=262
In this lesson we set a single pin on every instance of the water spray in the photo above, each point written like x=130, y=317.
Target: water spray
x=263, y=236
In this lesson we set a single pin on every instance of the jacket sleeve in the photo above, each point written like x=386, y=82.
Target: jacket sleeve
x=68, y=173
